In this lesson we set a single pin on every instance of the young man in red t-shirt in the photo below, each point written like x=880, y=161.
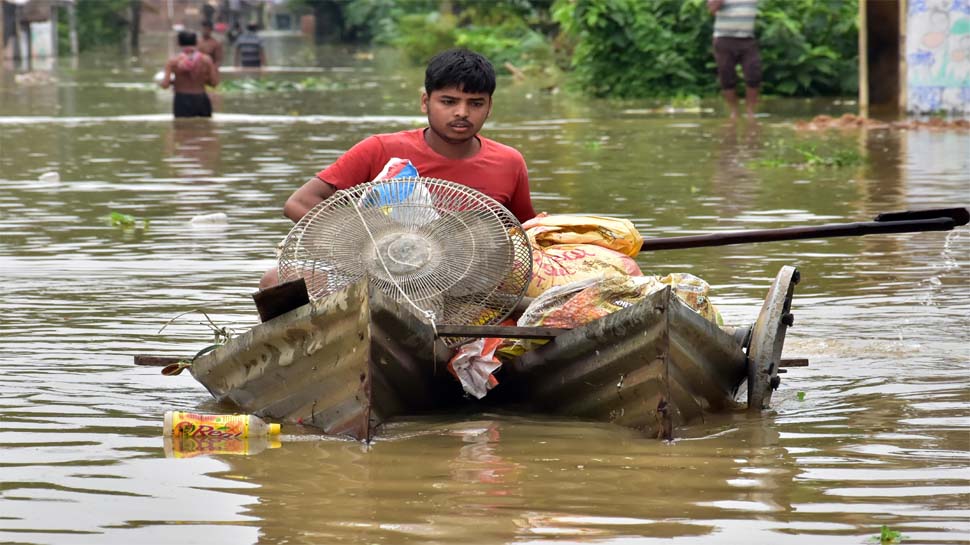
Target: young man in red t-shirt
x=457, y=97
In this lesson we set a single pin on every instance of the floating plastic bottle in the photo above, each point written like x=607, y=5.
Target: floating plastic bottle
x=190, y=447
x=51, y=177
x=216, y=426
x=210, y=220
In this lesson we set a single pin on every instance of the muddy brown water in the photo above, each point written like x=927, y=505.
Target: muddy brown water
x=875, y=432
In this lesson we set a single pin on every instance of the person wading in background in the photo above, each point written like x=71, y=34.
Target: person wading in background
x=209, y=45
x=192, y=71
x=249, y=49
x=734, y=43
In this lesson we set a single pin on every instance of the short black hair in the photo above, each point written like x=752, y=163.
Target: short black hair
x=252, y=27
x=186, y=38
x=469, y=71
x=206, y=24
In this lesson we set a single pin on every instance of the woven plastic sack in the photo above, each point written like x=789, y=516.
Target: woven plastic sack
x=614, y=233
x=581, y=302
x=578, y=303
x=695, y=292
x=564, y=263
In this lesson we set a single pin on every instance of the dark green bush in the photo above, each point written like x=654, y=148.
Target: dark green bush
x=502, y=35
x=809, y=47
x=632, y=48
x=100, y=23
x=635, y=48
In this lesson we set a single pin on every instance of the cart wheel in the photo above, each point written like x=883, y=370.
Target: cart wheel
x=768, y=338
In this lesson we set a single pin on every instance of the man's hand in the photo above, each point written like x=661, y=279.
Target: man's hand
x=166, y=76
x=714, y=5
x=304, y=199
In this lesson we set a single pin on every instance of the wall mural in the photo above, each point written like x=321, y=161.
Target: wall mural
x=938, y=56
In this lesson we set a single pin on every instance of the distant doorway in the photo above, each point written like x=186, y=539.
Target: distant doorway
x=883, y=55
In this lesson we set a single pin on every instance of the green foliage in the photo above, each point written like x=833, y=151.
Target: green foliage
x=118, y=219
x=502, y=30
x=264, y=85
x=631, y=48
x=512, y=41
x=420, y=36
x=785, y=154
x=808, y=47
x=366, y=21
x=372, y=20
x=100, y=23
x=800, y=395
x=888, y=536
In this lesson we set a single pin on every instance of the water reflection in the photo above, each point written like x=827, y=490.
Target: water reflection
x=735, y=184
x=192, y=148
x=507, y=479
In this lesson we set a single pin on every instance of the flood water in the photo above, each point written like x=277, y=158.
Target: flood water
x=875, y=432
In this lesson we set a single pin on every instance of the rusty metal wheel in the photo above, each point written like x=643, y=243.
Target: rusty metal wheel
x=768, y=339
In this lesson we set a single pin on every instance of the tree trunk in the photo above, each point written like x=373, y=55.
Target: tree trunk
x=72, y=29
x=135, y=28
x=328, y=21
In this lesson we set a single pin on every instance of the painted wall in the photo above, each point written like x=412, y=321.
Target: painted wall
x=938, y=56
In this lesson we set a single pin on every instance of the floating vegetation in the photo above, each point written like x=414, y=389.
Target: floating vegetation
x=800, y=396
x=888, y=536
x=680, y=104
x=264, y=85
x=783, y=153
x=118, y=219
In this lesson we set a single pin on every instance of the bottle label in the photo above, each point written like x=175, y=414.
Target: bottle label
x=212, y=426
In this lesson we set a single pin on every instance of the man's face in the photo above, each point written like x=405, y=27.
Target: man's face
x=454, y=115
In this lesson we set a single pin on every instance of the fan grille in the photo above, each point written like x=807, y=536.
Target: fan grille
x=455, y=254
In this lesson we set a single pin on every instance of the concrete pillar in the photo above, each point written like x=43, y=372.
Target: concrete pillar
x=72, y=28
x=53, y=31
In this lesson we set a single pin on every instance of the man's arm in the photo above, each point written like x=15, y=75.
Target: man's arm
x=521, y=202
x=167, y=76
x=313, y=192
x=714, y=5
x=352, y=168
x=262, y=56
x=236, y=57
x=213, y=76
x=217, y=55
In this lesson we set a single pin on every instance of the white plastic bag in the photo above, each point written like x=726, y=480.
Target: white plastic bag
x=409, y=202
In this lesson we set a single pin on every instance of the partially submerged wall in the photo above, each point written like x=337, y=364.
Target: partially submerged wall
x=938, y=56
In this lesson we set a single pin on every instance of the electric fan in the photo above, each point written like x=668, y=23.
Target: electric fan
x=453, y=254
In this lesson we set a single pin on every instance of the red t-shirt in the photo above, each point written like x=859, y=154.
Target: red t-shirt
x=497, y=170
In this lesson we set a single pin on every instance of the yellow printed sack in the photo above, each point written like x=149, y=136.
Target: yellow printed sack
x=614, y=233
x=564, y=263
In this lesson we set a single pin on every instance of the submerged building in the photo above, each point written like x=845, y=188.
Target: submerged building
x=914, y=56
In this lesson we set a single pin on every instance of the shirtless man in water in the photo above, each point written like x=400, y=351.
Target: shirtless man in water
x=209, y=45
x=193, y=71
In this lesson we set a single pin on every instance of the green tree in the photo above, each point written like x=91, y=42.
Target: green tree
x=809, y=47
x=632, y=48
x=505, y=31
x=358, y=21
x=100, y=23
